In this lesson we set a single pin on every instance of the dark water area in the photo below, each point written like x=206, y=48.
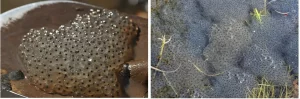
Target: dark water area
x=223, y=37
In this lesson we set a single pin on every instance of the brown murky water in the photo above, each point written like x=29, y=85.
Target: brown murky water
x=120, y=5
x=52, y=16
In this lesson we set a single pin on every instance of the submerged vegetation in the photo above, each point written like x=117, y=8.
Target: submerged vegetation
x=266, y=89
x=164, y=42
x=210, y=76
x=201, y=71
x=258, y=14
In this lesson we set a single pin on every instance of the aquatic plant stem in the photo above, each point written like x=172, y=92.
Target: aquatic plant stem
x=164, y=74
x=266, y=89
x=163, y=43
x=169, y=83
x=203, y=71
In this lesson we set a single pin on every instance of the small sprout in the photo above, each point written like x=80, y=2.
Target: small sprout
x=258, y=14
x=163, y=42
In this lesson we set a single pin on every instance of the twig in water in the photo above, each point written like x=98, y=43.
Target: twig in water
x=203, y=71
x=164, y=74
x=283, y=13
x=164, y=41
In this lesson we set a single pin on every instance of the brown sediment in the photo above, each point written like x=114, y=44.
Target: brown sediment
x=135, y=89
x=50, y=16
x=3, y=72
x=295, y=92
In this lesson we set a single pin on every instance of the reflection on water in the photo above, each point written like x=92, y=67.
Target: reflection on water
x=136, y=7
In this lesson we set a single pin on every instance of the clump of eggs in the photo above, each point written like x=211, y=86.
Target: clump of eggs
x=81, y=58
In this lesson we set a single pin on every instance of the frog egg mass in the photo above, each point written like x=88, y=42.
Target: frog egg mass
x=81, y=58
